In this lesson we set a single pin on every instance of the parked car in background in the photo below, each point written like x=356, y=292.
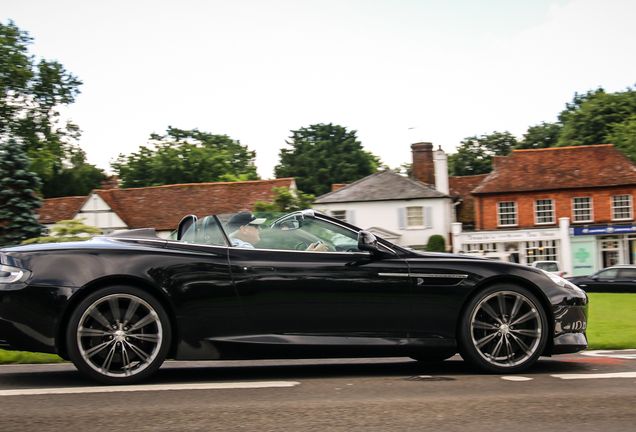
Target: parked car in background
x=553, y=267
x=616, y=279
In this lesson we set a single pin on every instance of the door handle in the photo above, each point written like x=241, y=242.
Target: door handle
x=267, y=268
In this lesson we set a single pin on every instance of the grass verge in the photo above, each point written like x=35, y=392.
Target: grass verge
x=611, y=325
x=611, y=321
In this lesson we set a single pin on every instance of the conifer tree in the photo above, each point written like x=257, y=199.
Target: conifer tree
x=18, y=202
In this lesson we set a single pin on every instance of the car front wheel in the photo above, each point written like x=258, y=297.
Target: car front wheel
x=504, y=330
x=118, y=335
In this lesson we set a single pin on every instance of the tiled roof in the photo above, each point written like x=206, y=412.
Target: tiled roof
x=381, y=186
x=462, y=187
x=559, y=168
x=54, y=210
x=162, y=207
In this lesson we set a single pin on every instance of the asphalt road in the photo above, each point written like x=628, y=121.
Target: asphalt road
x=580, y=392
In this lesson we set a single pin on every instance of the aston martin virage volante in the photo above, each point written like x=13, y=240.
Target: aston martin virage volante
x=276, y=286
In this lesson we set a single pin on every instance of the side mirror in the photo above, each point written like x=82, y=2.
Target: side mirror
x=186, y=223
x=367, y=242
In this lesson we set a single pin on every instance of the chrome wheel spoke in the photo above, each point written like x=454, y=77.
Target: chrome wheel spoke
x=91, y=352
x=132, y=308
x=150, y=318
x=113, y=302
x=515, y=309
x=483, y=341
x=109, y=358
x=501, y=299
x=97, y=315
x=125, y=360
x=484, y=326
x=490, y=311
x=533, y=333
x=139, y=352
x=526, y=317
x=522, y=344
x=154, y=338
x=89, y=332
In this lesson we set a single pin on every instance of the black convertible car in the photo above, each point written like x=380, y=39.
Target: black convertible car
x=297, y=285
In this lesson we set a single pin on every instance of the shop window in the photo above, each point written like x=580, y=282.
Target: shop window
x=544, y=211
x=480, y=247
x=621, y=207
x=542, y=250
x=582, y=209
x=507, y=213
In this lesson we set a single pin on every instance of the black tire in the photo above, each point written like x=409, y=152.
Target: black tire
x=118, y=335
x=504, y=329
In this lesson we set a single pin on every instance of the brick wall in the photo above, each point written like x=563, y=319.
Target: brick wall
x=487, y=215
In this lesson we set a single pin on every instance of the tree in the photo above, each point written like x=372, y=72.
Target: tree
x=436, y=243
x=591, y=118
x=544, y=135
x=67, y=230
x=286, y=201
x=186, y=156
x=623, y=136
x=31, y=95
x=475, y=154
x=322, y=155
x=18, y=202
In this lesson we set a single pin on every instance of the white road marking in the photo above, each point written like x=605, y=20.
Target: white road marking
x=596, y=376
x=516, y=378
x=155, y=387
x=622, y=354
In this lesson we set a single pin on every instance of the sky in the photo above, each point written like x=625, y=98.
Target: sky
x=395, y=71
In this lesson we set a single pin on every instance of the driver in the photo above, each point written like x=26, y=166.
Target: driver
x=245, y=232
x=245, y=229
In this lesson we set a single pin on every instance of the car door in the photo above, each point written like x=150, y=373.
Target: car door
x=343, y=291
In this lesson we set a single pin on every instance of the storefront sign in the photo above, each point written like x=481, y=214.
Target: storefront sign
x=583, y=258
x=511, y=236
x=603, y=230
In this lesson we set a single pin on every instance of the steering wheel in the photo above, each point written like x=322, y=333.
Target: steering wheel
x=301, y=246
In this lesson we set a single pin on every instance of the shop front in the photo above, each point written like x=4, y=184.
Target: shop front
x=595, y=248
x=522, y=246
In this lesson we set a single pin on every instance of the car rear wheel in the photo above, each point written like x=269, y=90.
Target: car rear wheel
x=118, y=335
x=504, y=330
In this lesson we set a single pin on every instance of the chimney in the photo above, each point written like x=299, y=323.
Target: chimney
x=441, y=171
x=423, y=168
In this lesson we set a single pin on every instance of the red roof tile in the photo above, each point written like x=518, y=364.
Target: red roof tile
x=559, y=168
x=162, y=207
x=54, y=210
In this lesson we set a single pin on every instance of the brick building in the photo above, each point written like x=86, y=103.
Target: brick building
x=572, y=204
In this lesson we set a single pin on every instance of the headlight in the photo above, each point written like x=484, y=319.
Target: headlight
x=10, y=274
x=563, y=282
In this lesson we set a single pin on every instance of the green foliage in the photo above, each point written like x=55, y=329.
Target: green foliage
x=623, y=136
x=436, y=243
x=66, y=231
x=186, y=156
x=286, y=201
x=30, y=97
x=544, y=135
x=600, y=118
x=322, y=155
x=475, y=154
x=18, y=202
